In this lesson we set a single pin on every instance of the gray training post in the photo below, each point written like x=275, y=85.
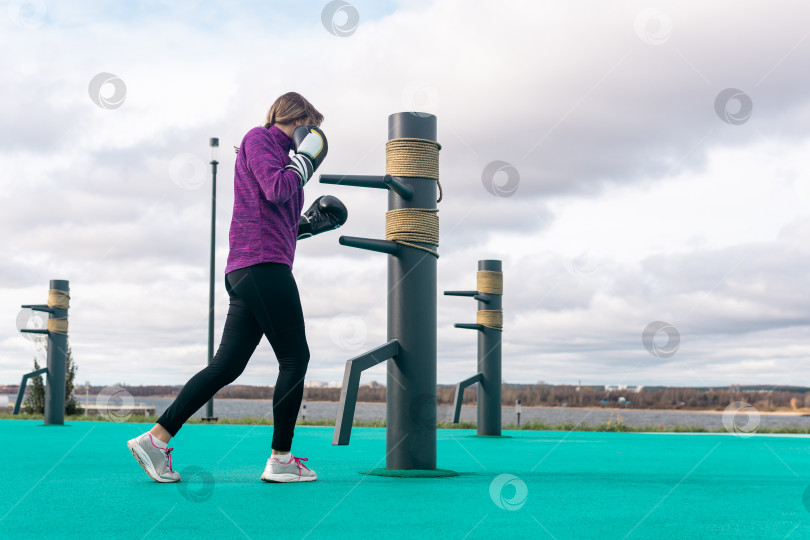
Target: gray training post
x=411, y=345
x=57, y=307
x=490, y=336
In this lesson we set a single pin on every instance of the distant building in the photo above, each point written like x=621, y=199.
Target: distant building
x=628, y=387
x=322, y=384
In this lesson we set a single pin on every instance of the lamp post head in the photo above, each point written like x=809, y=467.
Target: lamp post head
x=214, y=143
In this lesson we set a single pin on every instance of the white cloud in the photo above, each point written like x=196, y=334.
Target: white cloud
x=636, y=202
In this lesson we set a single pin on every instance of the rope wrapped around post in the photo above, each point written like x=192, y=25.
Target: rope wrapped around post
x=490, y=282
x=416, y=158
x=58, y=299
x=491, y=318
x=58, y=326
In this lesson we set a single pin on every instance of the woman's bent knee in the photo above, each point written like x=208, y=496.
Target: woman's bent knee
x=297, y=364
x=223, y=375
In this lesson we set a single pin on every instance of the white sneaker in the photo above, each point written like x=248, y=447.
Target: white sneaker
x=294, y=471
x=155, y=460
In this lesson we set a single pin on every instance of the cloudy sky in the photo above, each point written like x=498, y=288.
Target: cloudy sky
x=653, y=167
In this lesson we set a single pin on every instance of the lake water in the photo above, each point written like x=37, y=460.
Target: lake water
x=237, y=408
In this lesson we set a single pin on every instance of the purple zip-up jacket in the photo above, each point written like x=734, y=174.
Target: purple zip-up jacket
x=267, y=201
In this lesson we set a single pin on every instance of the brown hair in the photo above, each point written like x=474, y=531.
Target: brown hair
x=290, y=107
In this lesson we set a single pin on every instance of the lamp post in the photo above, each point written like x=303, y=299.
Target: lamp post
x=214, y=143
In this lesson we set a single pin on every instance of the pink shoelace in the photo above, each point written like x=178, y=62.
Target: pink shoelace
x=166, y=450
x=298, y=461
x=169, y=455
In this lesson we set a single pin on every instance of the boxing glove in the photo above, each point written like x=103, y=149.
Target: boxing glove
x=325, y=214
x=310, y=147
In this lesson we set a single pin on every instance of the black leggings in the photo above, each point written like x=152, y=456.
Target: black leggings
x=264, y=300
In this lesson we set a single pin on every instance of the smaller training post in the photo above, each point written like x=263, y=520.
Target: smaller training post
x=57, y=308
x=489, y=324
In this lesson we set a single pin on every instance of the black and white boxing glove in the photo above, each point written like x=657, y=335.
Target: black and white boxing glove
x=310, y=150
x=325, y=214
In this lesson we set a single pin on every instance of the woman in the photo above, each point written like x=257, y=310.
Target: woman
x=264, y=299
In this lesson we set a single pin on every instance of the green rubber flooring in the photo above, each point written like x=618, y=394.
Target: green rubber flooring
x=80, y=481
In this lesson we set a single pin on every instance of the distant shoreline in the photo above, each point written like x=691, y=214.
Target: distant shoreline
x=799, y=412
